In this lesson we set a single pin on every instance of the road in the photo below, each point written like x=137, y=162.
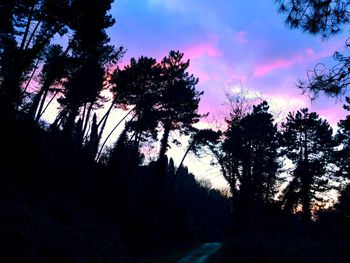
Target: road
x=201, y=254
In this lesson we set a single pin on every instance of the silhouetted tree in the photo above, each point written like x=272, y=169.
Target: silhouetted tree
x=239, y=106
x=30, y=27
x=343, y=210
x=327, y=19
x=342, y=155
x=251, y=162
x=308, y=143
x=92, y=143
x=179, y=98
x=138, y=86
x=316, y=17
x=54, y=69
x=123, y=160
x=91, y=52
x=260, y=145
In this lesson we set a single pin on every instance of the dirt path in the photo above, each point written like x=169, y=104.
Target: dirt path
x=201, y=254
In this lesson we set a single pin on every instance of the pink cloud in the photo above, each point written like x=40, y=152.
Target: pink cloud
x=309, y=55
x=265, y=69
x=241, y=37
x=200, y=50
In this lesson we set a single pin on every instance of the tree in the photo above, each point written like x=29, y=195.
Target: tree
x=54, y=69
x=307, y=141
x=260, y=145
x=327, y=19
x=316, y=17
x=250, y=161
x=342, y=156
x=138, y=86
x=91, y=53
x=29, y=29
x=179, y=99
x=92, y=143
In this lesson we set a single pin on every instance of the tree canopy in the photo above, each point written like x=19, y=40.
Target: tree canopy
x=326, y=18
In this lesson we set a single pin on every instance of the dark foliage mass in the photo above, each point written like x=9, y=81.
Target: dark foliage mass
x=68, y=194
x=326, y=18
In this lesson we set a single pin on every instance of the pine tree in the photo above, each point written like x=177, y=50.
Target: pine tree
x=138, y=85
x=342, y=156
x=326, y=18
x=260, y=146
x=54, y=69
x=30, y=27
x=308, y=143
x=91, y=52
x=316, y=17
x=250, y=161
x=179, y=100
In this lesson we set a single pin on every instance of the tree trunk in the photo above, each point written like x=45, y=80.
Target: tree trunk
x=109, y=135
x=103, y=121
x=25, y=35
x=306, y=180
x=189, y=148
x=42, y=111
x=164, y=141
x=32, y=34
x=36, y=102
x=87, y=117
x=28, y=82
x=69, y=124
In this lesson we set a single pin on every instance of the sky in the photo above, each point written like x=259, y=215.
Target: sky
x=230, y=45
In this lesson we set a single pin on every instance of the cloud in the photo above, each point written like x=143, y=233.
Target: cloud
x=287, y=102
x=199, y=50
x=267, y=68
x=305, y=57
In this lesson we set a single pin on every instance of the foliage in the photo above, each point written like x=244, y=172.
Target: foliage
x=307, y=141
x=326, y=18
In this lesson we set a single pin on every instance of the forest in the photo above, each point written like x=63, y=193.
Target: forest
x=69, y=195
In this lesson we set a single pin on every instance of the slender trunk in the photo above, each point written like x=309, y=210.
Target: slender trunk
x=87, y=117
x=28, y=82
x=69, y=124
x=164, y=141
x=40, y=113
x=58, y=119
x=25, y=35
x=32, y=35
x=84, y=111
x=189, y=148
x=138, y=140
x=36, y=101
x=162, y=164
x=43, y=40
x=112, y=131
x=132, y=137
x=65, y=53
x=306, y=178
x=39, y=108
x=103, y=121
